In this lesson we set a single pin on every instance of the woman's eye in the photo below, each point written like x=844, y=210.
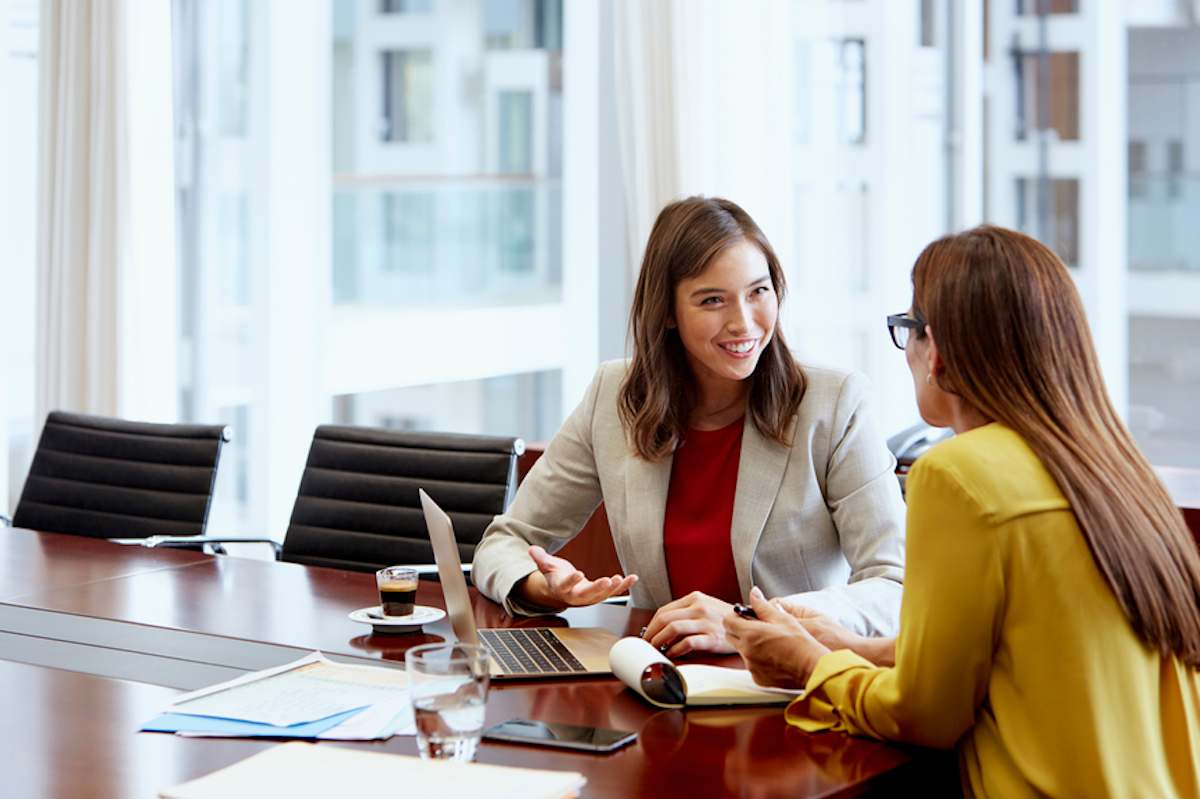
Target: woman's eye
x=710, y=300
x=761, y=290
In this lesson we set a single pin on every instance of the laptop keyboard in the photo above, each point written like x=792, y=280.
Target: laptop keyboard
x=530, y=651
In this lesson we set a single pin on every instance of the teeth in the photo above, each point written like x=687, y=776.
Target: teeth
x=745, y=346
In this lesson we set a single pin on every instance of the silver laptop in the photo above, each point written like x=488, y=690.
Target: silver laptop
x=516, y=651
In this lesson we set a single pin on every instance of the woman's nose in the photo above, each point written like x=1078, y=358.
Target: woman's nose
x=739, y=318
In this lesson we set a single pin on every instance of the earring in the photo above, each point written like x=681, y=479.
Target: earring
x=929, y=378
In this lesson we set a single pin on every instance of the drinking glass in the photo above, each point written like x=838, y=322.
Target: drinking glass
x=448, y=684
x=397, y=590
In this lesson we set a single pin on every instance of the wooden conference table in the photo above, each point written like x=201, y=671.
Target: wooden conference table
x=105, y=634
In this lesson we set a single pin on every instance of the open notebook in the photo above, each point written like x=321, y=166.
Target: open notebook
x=319, y=771
x=660, y=682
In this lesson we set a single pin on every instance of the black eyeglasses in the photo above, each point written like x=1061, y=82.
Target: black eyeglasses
x=900, y=326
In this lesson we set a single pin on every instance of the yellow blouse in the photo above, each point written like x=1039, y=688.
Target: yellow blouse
x=1012, y=646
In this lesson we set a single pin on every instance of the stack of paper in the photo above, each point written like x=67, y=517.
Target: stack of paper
x=309, y=698
x=300, y=771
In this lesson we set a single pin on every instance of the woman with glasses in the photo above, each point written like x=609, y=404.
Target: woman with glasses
x=1050, y=626
x=721, y=462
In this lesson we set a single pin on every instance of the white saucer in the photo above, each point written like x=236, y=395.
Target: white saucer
x=397, y=624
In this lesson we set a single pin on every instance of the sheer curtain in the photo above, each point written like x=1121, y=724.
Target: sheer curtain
x=703, y=96
x=106, y=320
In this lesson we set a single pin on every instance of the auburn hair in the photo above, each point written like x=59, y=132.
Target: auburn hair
x=658, y=393
x=1014, y=342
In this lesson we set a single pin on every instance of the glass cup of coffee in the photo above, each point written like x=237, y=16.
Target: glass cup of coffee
x=448, y=685
x=397, y=590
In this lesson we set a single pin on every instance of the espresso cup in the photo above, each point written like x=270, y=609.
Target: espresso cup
x=397, y=590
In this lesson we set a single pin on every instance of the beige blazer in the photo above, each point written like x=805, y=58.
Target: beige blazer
x=820, y=522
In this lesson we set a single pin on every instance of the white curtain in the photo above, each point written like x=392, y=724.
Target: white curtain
x=106, y=299
x=703, y=94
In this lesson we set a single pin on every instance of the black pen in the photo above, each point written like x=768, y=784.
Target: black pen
x=745, y=611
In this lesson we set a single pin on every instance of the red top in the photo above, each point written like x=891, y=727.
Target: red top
x=699, y=513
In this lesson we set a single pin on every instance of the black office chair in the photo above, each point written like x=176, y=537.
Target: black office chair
x=910, y=444
x=110, y=478
x=358, y=508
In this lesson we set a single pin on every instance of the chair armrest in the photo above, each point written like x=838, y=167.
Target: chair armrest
x=191, y=541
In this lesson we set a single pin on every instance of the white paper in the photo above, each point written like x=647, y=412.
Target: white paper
x=308, y=689
x=307, y=771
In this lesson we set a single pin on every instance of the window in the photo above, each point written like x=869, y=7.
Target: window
x=18, y=226
x=407, y=96
x=1047, y=94
x=802, y=127
x=1048, y=210
x=516, y=132
x=927, y=23
x=408, y=222
x=1164, y=381
x=851, y=90
x=526, y=405
x=522, y=24
x=445, y=151
x=1042, y=7
x=1136, y=157
x=405, y=6
x=1174, y=169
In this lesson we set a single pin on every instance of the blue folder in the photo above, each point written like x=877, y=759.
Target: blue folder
x=181, y=722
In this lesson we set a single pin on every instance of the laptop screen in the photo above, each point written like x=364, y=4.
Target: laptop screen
x=454, y=584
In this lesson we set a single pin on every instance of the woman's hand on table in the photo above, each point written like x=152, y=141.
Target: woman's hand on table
x=779, y=651
x=694, y=623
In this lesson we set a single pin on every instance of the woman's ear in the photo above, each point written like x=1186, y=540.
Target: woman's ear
x=936, y=367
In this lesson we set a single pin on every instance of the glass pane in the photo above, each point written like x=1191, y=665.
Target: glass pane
x=1048, y=210
x=524, y=405
x=233, y=66
x=1163, y=234
x=18, y=197
x=407, y=96
x=1042, y=7
x=522, y=24
x=405, y=6
x=475, y=219
x=516, y=132
x=458, y=241
x=802, y=129
x=1164, y=381
x=851, y=90
x=1047, y=94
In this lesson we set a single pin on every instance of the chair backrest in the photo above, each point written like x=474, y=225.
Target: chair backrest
x=109, y=478
x=358, y=507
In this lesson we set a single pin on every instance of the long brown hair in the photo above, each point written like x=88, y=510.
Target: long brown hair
x=1014, y=342
x=659, y=392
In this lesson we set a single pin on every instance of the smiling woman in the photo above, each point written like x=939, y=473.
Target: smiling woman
x=722, y=462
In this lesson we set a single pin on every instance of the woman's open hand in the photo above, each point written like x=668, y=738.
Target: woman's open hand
x=558, y=584
x=777, y=648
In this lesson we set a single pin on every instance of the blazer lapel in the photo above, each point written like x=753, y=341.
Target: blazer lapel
x=646, y=504
x=760, y=473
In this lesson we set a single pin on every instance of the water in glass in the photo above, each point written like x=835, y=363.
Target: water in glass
x=448, y=684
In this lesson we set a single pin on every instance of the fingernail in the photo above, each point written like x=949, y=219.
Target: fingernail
x=756, y=591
